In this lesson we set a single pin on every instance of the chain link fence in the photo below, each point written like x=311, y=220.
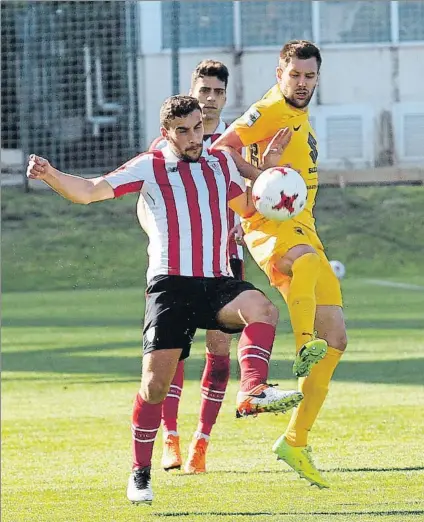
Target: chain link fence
x=69, y=86
x=71, y=71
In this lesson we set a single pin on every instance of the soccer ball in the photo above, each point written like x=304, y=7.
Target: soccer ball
x=338, y=268
x=279, y=193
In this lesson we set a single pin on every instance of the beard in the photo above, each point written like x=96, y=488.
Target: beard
x=194, y=158
x=191, y=154
x=298, y=104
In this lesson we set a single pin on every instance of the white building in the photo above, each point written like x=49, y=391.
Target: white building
x=369, y=107
x=86, y=91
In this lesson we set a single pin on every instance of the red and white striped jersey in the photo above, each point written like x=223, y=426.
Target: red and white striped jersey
x=208, y=139
x=183, y=209
x=234, y=250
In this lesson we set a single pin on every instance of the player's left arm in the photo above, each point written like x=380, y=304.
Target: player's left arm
x=243, y=204
x=239, y=196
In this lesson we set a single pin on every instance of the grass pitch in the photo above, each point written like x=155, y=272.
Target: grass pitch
x=71, y=336
x=49, y=243
x=71, y=363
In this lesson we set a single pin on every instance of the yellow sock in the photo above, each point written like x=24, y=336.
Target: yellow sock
x=301, y=297
x=315, y=389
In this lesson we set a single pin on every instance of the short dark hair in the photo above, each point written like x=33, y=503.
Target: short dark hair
x=302, y=49
x=177, y=107
x=211, y=68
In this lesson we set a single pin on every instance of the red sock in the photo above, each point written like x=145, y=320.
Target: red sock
x=254, y=351
x=172, y=401
x=214, y=383
x=145, y=425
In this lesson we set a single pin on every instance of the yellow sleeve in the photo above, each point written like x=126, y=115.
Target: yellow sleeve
x=261, y=121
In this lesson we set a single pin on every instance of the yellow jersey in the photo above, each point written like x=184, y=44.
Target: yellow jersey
x=258, y=126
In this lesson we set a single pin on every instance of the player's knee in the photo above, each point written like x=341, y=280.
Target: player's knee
x=337, y=340
x=154, y=390
x=298, y=256
x=342, y=342
x=307, y=263
x=272, y=313
x=264, y=311
x=218, y=343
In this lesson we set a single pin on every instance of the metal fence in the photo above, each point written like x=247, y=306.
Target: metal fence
x=249, y=24
x=69, y=83
x=72, y=71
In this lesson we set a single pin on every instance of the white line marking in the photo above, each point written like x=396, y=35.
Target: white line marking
x=394, y=284
x=253, y=356
x=213, y=391
x=211, y=399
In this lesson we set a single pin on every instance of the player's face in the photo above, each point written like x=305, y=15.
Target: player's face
x=297, y=80
x=185, y=136
x=212, y=95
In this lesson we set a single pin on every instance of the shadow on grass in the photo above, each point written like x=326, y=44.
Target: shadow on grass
x=94, y=359
x=399, y=512
x=97, y=322
x=331, y=470
x=71, y=322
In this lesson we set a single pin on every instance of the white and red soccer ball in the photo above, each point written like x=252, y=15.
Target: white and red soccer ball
x=279, y=193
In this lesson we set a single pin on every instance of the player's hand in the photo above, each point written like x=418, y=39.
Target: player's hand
x=289, y=166
x=276, y=147
x=237, y=232
x=38, y=168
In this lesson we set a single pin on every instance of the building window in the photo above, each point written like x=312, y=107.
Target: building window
x=354, y=22
x=411, y=21
x=273, y=23
x=202, y=24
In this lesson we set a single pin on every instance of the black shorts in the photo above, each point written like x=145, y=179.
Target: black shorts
x=237, y=268
x=177, y=305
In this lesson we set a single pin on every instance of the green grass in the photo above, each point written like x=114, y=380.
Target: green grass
x=71, y=364
x=49, y=243
x=70, y=370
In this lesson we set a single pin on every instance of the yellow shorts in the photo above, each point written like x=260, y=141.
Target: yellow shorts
x=268, y=241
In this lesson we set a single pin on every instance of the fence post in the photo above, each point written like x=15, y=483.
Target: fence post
x=175, y=47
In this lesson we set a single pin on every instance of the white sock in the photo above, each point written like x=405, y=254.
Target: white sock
x=199, y=435
x=166, y=433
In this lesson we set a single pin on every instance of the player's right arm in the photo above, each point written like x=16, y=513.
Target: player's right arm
x=127, y=178
x=74, y=188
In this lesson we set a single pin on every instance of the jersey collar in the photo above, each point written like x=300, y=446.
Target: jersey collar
x=221, y=127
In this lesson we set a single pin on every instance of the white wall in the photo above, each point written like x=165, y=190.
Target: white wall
x=411, y=73
x=357, y=75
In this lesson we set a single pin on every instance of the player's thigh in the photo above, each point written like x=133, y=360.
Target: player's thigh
x=327, y=291
x=329, y=319
x=270, y=249
x=167, y=321
x=217, y=342
x=247, y=307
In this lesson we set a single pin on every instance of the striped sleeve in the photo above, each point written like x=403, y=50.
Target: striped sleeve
x=130, y=176
x=157, y=144
x=237, y=183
